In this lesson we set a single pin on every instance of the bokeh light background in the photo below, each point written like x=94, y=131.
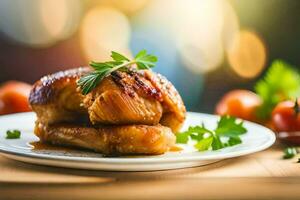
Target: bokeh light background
x=205, y=47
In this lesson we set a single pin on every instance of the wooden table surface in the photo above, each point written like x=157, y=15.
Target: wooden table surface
x=263, y=175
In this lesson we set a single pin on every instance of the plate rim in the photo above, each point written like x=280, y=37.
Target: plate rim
x=144, y=159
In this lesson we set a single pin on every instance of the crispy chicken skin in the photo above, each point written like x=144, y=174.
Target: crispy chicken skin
x=110, y=140
x=54, y=98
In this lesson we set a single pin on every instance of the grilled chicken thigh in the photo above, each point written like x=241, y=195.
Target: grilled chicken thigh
x=122, y=98
x=131, y=112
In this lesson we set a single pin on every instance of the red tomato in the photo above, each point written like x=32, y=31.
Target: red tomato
x=285, y=117
x=14, y=97
x=239, y=103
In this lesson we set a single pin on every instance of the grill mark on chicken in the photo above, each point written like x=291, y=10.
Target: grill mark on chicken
x=119, y=80
x=133, y=81
x=150, y=91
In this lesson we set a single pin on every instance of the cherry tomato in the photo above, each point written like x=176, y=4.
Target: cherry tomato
x=286, y=116
x=239, y=103
x=14, y=97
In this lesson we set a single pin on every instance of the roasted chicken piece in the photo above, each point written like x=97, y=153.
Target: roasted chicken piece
x=138, y=98
x=54, y=98
x=126, y=139
x=121, y=98
x=130, y=112
x=124, y=98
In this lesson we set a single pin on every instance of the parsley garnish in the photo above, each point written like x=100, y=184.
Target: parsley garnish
x=142, y=60
x=226, y=134
x=280, y=83
x=13, y=134
x=290, y=152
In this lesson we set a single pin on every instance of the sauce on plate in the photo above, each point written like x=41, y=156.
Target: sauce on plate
x=175, y=148
x=38, y=145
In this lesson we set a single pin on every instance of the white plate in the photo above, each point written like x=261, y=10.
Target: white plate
x=257, y=138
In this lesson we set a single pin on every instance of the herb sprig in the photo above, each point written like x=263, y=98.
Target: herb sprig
x=13, y=134
x=290, y=152
x=142, y=60
x=280, y=83
x=226, y=134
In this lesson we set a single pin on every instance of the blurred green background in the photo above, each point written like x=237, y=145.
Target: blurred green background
x=205, y=47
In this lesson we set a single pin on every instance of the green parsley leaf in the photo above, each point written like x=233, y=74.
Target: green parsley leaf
x=195, y=132
x=234, y=141
x=120, y=62
x=217, y=143
x=90, y=81
x=183, y=137
x=227, y=126
x=140, y=54
x=196, y=136
x=226, y=134
x=199, y=129
x=118, y=57
x=13, y=134
x=281, y=82
x=204, y=144
x=289, y=152
x=144, y=60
